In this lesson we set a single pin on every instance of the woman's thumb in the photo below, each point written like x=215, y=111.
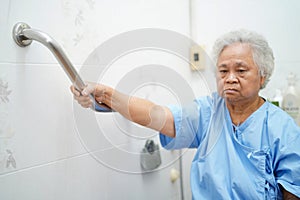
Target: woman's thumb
x=89, y=89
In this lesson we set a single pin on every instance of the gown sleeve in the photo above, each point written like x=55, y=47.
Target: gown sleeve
x=287, y=158
x=190, y=123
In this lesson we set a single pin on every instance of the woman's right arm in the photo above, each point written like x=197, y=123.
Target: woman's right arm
x=138, y=110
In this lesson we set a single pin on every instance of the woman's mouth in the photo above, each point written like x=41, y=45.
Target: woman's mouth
x=230, y=91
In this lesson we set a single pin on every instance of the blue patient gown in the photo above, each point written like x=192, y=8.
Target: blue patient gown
x=248, y=161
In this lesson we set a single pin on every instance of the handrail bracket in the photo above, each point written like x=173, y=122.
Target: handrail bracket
x=18, y=35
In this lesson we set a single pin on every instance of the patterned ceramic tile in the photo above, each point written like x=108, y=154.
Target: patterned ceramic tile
x=78, y=12
x=4, y=92
x=11, y=162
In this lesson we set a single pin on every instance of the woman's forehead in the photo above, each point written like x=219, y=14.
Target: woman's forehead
x=238, y=53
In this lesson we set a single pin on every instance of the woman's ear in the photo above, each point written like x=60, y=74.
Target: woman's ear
x=262, y=81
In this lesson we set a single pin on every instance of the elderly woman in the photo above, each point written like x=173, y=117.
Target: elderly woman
x=247, y=148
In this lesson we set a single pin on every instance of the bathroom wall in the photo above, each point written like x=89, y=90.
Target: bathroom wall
x=276, y=20
x=50, y=148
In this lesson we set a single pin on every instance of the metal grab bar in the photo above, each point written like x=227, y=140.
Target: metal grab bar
x=23, y=36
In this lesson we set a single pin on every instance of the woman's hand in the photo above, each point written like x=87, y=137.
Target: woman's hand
x=288, y=196
x=83, y=97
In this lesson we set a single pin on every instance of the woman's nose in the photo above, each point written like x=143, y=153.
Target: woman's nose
x=231, y=78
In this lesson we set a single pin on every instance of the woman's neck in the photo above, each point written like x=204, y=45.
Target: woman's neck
x=240, y=111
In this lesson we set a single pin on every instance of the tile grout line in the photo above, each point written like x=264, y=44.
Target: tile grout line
x=52, y=162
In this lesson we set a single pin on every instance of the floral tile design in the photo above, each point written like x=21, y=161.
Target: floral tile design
x=4, y=92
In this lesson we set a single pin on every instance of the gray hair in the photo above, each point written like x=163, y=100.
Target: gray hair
x=262, y=53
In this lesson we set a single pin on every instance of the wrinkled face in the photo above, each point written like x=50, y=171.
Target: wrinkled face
x=238, y=78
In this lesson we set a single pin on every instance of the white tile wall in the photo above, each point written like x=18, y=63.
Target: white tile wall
x=143, y=186
x=45, y=135
x=77, y=178
x=274, y=19
x=80, y=26
x=39, y=114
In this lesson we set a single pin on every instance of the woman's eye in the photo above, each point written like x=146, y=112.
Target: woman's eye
x=222, y=71
x=241, y=71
